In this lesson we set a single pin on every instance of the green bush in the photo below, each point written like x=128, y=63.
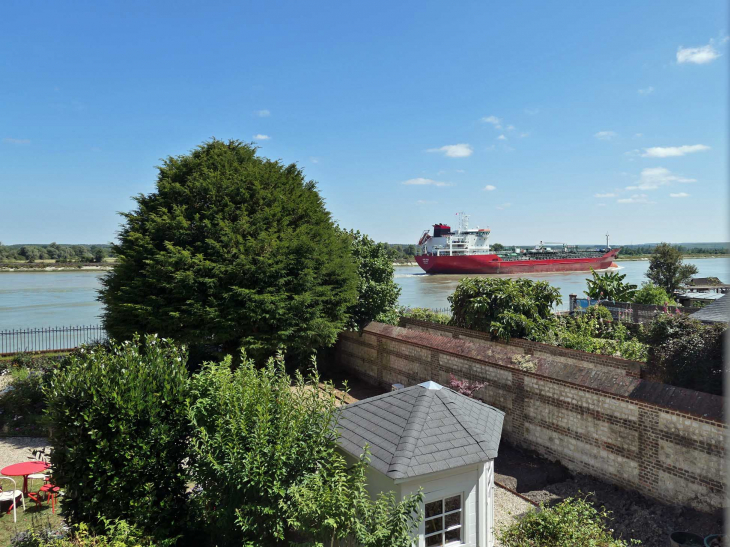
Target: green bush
x=377, y=290
x=116, y=533
x=610, y=286
x=425, y=314
x=649, y=293
x=686, y=353
x=120, y=433
x=573, y=522
x=505, y=307
x=266, y=466
x=22, y=403
x=231, y=250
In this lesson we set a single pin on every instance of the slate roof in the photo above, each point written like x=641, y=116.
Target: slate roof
x=717, y=312
x=420, y=429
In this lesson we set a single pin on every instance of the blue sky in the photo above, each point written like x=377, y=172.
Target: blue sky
x=550, y=104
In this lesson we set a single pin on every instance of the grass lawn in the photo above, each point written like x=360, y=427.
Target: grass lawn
x=32, y=517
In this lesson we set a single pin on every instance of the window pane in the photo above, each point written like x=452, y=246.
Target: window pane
x=434, y=525
x=434, y=540
x=433, y=508
x=452, y=504
x=454, y=519
x=453, y=535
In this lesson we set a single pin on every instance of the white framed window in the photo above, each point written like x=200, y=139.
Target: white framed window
x=444, y=520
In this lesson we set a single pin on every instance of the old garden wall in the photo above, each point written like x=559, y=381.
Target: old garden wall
x=595, y=416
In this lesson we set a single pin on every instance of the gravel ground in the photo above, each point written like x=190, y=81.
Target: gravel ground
x=17, y=449
x=508, y=508
x=634, y=516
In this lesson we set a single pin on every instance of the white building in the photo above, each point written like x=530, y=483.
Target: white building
x=431, y=437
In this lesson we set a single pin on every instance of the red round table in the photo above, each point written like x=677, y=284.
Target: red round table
x=23, y=470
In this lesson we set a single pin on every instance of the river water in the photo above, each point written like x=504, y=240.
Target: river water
x=55, y=299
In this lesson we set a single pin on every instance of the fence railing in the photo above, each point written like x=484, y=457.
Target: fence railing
x=49, y=339
x=629, y=312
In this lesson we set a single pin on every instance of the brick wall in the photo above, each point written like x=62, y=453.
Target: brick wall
x=665, y=442
x=519, y=346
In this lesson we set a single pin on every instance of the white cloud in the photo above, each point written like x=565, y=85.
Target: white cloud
x=608, y=195
x=489, y=188
x=262, y=113
x=16, y=141
x=261, y=137
x=697, y=55
x=494, y=120
x=638, y=135
x=673, y=151
x=510, y=128
x=531, y=111
x=652, y=178
x=504, y=206
x=636, y=198
x=605, y=135
x=425, y=202
x=646, y=91
x=454, y=150
x=314, y=159
x=460, y=171
x=426, y=182
x=679, y=195
x=501, y=138
x=523, y=135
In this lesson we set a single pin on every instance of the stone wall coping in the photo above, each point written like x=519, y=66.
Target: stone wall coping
x=688, y=402
x=632, y=366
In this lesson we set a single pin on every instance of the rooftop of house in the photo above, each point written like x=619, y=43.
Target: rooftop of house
x=716, y=312
x=420, y=429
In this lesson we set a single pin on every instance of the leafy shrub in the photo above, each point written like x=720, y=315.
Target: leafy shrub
x=377, y=290
x=649, y=293
x=266, y=465
x=120, y=434
x=425, y=314
x=234, y=250
x=117, y=533
x=610, y=286
x=22, y=403
x=505, y=307
x=465, y=387
x=574, y=522
x=595, y=331
x=686, y=353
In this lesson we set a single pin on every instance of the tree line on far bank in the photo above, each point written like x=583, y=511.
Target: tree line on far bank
x=56, y=252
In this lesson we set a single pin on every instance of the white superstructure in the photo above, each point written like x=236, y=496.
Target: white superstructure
x=462, y=241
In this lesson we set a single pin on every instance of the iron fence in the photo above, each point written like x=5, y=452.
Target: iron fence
x=49, y=339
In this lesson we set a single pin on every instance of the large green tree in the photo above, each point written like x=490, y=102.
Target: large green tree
x=610, y=286
x=231, y=250
x=667, y=270
x=377, y=290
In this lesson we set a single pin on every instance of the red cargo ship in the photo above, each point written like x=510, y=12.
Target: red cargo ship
x=465, y=251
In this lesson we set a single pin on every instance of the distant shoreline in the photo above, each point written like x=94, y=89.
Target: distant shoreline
x=5, y=268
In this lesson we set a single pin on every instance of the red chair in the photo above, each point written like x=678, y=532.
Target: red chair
x=51, y=492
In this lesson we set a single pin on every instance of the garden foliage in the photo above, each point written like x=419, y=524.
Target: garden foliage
x=505, y=307
x=668, y=270
x=377, y=290
x=231, y=250
x=686, y=353
x=120, y=430
x=114, y=533
x=610, y=286
x=425, y=314
x=574, y=522
x=265, y=462
x=649, y=293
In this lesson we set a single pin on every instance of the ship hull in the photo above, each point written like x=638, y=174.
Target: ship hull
x=493, y=264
